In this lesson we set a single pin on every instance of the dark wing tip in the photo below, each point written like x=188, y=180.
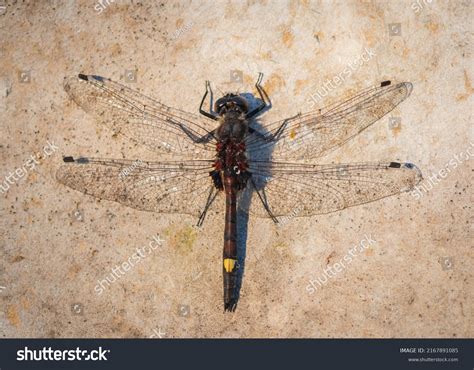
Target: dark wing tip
x=80, y=160
x=68, y=159
x=90, y=77
x=395, y=165
x=408, y=85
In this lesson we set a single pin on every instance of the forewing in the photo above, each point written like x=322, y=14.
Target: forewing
x=144, y=120
x=312, y=135
x=294, y=190
x=164, y=187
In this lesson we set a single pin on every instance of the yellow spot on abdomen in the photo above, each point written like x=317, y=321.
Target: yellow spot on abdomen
x=229, y=264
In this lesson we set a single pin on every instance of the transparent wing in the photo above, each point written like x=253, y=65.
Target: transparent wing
x=164, y=187
x=144, y=120
x=313, y=134
x=295, y=190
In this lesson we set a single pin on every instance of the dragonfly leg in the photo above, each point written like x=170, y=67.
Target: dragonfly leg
x=263, y=199
x=276, y=136
x=263, y=95
x=209, y=114
x=199, y=140
x=217, y=180
x=196, y=139
x=210, y=199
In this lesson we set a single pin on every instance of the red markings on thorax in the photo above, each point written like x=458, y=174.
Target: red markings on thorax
x=230, y=155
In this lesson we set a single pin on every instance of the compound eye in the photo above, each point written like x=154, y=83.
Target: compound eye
x=241, y=103
x=220, y=103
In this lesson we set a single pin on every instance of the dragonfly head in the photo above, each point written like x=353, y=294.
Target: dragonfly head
x=231, y=103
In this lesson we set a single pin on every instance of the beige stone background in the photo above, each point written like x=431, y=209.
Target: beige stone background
x=56, y=243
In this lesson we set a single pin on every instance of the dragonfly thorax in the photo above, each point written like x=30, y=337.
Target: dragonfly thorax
x=233, y=127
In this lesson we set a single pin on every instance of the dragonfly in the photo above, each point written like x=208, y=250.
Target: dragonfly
x=225, y=161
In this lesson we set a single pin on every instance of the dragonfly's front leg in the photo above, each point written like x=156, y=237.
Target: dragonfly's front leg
x=263, y=94
x=209, y=114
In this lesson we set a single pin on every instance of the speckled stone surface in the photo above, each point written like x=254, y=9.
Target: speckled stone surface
x=414, y=280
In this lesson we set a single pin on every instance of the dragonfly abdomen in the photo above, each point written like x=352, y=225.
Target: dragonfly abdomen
x=230, y=244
